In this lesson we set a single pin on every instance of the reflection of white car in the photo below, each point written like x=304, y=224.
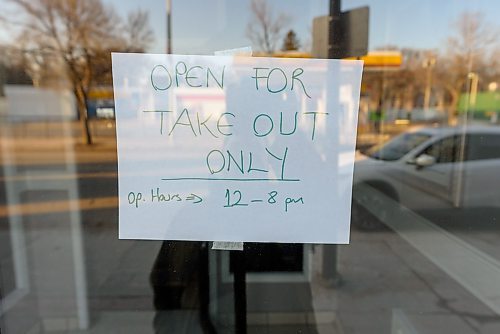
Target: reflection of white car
x=433, y=168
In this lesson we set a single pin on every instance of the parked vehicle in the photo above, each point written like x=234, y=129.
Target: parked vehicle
x=432, y=168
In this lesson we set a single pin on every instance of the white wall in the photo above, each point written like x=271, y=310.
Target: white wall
x=28, y=103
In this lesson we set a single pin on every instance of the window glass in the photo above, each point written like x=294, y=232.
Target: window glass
x=483, y=147
x=445, y=150
x=424, y=250
x=398, y=147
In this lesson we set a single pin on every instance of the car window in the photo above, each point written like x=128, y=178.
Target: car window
x=398, y=147
x=445, y=150
x=483, y=147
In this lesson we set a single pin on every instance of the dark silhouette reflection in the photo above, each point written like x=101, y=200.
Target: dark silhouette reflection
x=180, y=274
x=277, y=295
x=180, y=283
x=285, y=257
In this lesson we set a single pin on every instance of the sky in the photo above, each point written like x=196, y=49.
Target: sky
x=202, y=27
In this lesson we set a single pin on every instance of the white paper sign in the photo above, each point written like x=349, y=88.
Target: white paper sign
x=223, y=148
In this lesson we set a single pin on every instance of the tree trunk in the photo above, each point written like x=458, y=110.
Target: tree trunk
x=82, y=113
x=84, y=120
x=452, y=118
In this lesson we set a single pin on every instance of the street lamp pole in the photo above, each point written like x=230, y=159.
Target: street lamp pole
x=474, y=78
x=429, y=64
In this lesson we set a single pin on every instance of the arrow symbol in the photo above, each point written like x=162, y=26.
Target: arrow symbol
x=195, y=198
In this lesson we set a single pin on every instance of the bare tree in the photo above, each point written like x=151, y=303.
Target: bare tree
x=138, y=34
x=77, y=33
x=470, y=57
x=265, y=29
x=468, y=52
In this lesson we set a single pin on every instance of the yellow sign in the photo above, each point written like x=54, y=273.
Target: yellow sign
x=101, y=93
x=381, y=59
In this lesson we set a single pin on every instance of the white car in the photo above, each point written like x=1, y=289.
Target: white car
x=432, y=168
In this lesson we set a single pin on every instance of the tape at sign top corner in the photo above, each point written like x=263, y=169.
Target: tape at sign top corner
x=227, y=245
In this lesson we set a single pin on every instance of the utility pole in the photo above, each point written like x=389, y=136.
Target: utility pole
x=335, y=31
x=2, y=79
x=169, y=25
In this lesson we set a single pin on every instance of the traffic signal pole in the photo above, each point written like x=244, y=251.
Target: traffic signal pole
x=335, y=34
x=330, y=273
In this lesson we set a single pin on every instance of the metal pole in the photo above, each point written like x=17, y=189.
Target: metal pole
x=335, y=34
x=457, y=188
x=204, y=290
x=429, y=64
x=2, y=80
x=169, y=26
x=240, y=293
x=473, y=89
x=330, y=273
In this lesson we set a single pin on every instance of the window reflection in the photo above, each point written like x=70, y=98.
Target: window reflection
x=423, y=255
